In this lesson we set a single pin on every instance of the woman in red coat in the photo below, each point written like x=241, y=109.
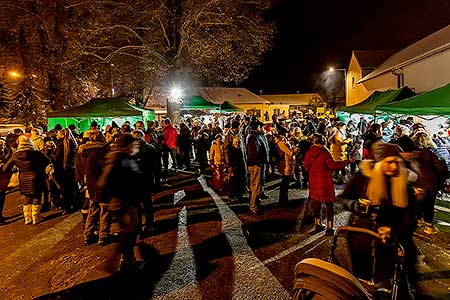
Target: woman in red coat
x=320, y=164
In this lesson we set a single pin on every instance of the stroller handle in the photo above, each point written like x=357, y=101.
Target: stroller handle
x=343, y=229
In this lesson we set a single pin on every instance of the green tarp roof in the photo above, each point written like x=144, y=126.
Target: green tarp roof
x=374, y=101
x=227, y=107
x=197, y=102
x=101, y=107
x=435, y=102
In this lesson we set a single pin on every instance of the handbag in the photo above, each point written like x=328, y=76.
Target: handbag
x=14, y=181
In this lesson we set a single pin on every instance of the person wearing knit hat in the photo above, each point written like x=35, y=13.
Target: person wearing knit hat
x=32, y=164
x=381, y=187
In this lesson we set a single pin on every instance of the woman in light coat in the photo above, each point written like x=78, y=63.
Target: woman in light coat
x=216, y=160
x=286, y=167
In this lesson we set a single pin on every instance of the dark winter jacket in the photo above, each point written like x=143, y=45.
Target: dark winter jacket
x=149, y=161
x=88, y=165
x=257, y=154
x=120, y=184
x=401, y=220
x=31, y=166
x=432, y=171
x=235, y=159
x=320, y=164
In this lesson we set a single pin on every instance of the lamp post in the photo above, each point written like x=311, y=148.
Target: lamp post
x=331, y=70
x=112, y=81
x=173, y=102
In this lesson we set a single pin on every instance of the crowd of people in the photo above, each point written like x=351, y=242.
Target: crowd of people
x=113, y=172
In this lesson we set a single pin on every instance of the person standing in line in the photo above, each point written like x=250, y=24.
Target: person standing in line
x=286, y=168
x=5, y=155
x=169, y=146
x=32, y=164
x=88, y=168
x=256, y=158
x=236, y=170
x=320, y=164
x=216, y=160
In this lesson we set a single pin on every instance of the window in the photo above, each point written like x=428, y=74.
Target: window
x=353, y=81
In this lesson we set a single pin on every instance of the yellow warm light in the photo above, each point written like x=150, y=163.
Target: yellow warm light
x=14, y=74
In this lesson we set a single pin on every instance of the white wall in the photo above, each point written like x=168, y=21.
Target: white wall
x=428, y=74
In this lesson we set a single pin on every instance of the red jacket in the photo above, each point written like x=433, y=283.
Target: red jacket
x=320, y=164
x=170, y=137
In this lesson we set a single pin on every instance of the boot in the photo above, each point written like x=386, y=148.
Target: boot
x=330, y=229
x=27, y=214
x=318, y=227
x=36, y=213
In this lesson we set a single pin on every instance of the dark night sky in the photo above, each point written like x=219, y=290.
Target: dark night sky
x=315, y=34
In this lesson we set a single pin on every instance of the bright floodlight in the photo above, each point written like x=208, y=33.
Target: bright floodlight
x=176, y=93
x=331, y=69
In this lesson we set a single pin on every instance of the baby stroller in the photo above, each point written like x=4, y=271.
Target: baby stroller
x=319, y=280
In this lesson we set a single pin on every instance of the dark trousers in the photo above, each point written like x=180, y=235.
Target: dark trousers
x=173, y=156
x=426, y=206
x=284, y=189
x=98, y=214
x=148, y=211
x=236, y=186
x=129, y=229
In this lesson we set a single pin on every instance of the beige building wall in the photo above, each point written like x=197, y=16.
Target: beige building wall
x=381, y=83
x=355, y=93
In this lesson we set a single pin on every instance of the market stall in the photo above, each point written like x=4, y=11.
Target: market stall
x=101, y=110
x=377, y=99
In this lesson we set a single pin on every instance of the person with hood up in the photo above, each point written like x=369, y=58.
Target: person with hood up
x=37, y=139
x=320, y=164
x=31, y=164
x=236, y=170
x=216, y=160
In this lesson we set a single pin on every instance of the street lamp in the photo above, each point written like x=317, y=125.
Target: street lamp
x=14, y=74
x=112, y=80
x=332, y=69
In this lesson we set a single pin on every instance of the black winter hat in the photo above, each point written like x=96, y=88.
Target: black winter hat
x=381, y=150
x=123, y=140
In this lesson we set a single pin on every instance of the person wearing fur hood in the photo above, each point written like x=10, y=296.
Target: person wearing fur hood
x=382, y=181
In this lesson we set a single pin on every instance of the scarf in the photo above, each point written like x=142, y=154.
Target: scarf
x=376, y=189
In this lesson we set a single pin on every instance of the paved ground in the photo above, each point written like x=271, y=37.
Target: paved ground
x=202, y=248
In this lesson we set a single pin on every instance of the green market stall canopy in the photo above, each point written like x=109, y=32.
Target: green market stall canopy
x=377, y=99
x=197, y=103
x=102, y=110
x=435, y=103
x=226, y=107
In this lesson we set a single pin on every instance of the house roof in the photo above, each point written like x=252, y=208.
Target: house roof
x=293, y=99
x=430, y=45
x=233, y=95
x=372, y=58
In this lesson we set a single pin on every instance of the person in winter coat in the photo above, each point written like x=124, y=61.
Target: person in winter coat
x=88, y=168
x=320, y=164
x=217, y=160
x=169, y=145
x=64, y=163
x=338, y=146
x=432, y=174
x=31, y=164
x=120, y=186
x=149, y=162
x=5, y=155
x=286, y=168
x=257, y=157
x=383, y=183
x=236, y=170
x=38, y=141
x=201, y=147
x=184, y=145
